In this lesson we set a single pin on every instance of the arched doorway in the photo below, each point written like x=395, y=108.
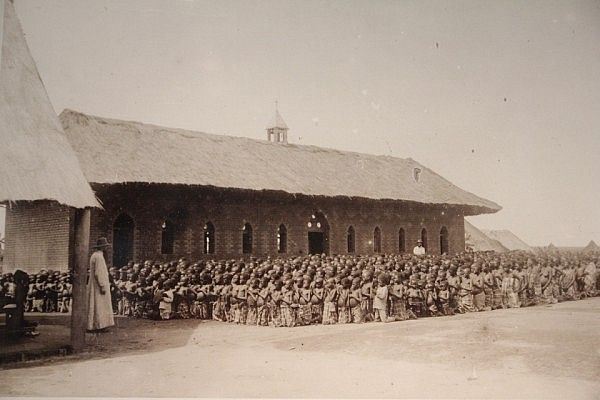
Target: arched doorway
x=282, y=239
x=351, y=238
x=424, y=238
x=209, y=238
x=444, y=240
x=167, y=237
x=122, y=240
x=247, y=239
x=401, y=241
x=318, y=234
x=377, y=240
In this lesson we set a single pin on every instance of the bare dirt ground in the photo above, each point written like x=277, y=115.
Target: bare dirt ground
x=541, y=352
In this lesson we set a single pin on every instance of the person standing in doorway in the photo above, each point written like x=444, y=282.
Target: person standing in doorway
x=100, y=313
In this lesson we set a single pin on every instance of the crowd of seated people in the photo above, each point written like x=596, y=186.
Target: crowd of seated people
x=49, y=291
x=320, y=289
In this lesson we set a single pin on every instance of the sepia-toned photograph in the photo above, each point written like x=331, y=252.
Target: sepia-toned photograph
x=300, y=199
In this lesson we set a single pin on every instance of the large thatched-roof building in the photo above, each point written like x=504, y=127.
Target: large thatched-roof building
x=38, y=168
x=170, y=193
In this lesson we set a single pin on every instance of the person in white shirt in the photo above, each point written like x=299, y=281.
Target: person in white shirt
x=419, y=250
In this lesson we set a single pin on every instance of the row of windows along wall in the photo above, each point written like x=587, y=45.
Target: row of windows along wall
x=123, y=229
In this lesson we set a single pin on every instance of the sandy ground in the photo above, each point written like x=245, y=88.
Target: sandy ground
x=541, y=352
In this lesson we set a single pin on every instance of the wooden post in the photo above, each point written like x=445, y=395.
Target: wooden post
x=80, y=273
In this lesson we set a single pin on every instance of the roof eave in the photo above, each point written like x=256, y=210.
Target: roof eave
x=468, y=209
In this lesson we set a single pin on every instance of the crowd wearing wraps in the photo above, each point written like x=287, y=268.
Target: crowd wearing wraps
x=321, y=289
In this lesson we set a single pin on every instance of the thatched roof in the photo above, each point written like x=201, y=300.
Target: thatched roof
x=508, y=239
x=36, y=160
x=113, y=151
x=479, y=241
x=591, y=247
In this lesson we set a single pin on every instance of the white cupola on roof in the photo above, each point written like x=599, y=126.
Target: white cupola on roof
x=277, y=129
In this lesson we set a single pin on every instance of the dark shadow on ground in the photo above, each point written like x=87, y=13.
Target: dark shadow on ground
x=53, y=339
x=128, y=336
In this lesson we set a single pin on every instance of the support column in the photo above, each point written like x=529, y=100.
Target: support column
x=80, y=274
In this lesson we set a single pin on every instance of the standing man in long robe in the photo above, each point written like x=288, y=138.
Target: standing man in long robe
x=100, y=313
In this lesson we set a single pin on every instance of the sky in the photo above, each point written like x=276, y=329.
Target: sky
x=501, y=98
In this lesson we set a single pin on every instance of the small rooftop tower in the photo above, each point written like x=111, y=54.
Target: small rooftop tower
x=277, y=129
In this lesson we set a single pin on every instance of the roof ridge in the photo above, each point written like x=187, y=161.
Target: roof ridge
x=117, y=121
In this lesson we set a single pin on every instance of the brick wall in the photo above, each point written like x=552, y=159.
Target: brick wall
x=37, y=236
x=190, y=208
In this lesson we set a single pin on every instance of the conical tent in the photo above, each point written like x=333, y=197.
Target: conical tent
x=508, y=239
x=478, y=241
x=36, y=160
x=591, y=247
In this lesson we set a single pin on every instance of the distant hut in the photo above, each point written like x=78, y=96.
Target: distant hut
x=508, y=240
x=476, y=240
x=592, y=247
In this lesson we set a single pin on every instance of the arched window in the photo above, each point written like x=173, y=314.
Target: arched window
x=209, y=238
x=247, y=239
x=401, y=241
x=351, y=237
x=168, y=237
x=377, y=240
x=282, y=239
x=424, y=238
x=444, y=240
x=123, y=228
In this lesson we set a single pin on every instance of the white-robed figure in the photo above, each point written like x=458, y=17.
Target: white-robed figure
x=419, y=250
x=100, y=312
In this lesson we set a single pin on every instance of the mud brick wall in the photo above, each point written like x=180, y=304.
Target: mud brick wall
x=190, y=208
x=37, y=236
